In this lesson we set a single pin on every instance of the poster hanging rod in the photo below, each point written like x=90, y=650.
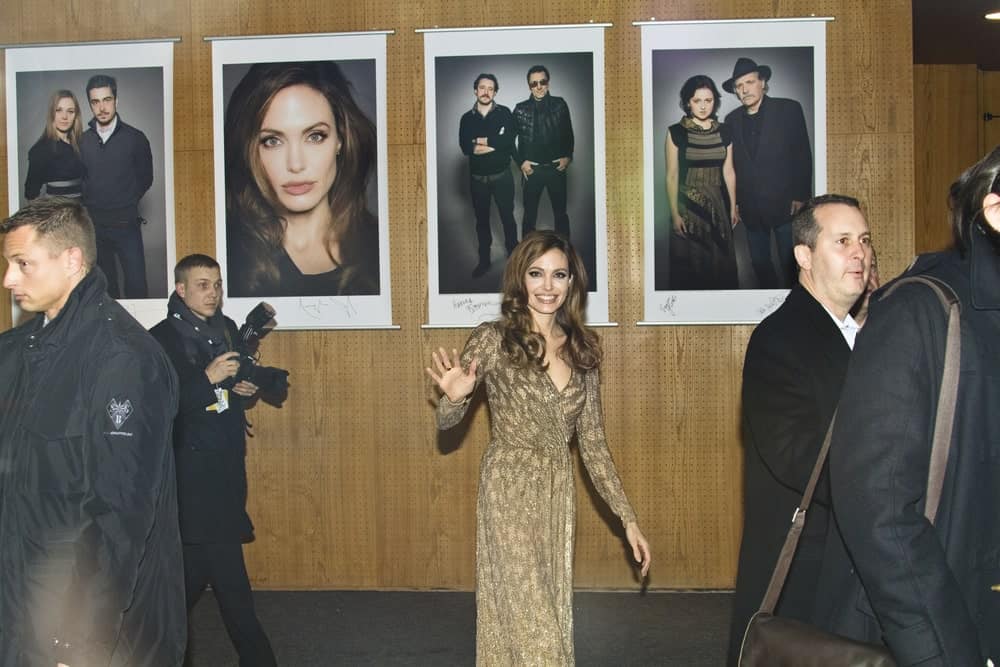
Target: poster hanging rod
x=516, y=27
x=230, y=38
x=793, y=19
x=47, y=45
x=473, y=325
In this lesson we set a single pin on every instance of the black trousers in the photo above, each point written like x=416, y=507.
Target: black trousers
x=222, y=566
x=123, y=241
x=545, y=176
x=499, y=188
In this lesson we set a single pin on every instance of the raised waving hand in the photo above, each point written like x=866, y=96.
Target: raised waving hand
x=449, y=376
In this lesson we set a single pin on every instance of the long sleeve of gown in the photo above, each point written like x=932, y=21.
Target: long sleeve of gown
x=482, y=344
x=595, y=452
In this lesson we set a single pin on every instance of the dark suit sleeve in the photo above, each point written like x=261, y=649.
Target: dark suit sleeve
x=126, y=465
x=196, y=392
x=878, y=465
x=37, y=163
x=566, y=139
x=784, y=413
x=516, y=139
x=801, y=167
x=466, y=141
x=142, y=162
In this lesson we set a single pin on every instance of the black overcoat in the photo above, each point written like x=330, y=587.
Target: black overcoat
x=89, y=548
x=792, y=376
x=210, y=448
x=928, y=586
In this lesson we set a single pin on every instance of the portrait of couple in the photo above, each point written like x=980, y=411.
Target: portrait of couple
x=98, y=135
x=737, y=163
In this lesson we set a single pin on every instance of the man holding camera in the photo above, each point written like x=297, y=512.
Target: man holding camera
x=210, y=449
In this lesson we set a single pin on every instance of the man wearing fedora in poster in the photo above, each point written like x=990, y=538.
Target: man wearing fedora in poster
x=774, y=170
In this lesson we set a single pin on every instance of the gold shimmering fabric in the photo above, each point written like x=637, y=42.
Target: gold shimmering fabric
x=526, y=506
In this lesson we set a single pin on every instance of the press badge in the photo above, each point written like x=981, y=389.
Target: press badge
x=221, y=400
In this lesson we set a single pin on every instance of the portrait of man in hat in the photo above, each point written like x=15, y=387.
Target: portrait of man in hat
x=774, y=169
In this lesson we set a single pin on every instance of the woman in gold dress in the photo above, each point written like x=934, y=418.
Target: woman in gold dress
x=540, y=366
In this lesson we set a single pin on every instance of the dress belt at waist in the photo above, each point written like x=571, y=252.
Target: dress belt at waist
x=490, y=178
x=74, y=182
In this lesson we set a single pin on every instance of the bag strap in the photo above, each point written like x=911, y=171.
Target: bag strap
x=948, y=393
x=940, y=448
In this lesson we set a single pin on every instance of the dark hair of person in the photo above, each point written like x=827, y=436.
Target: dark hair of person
x=51, y=133
x=195, y=261
x=486, y=75
x=805, y=229
x=102, y=81
x=250, y=200
x=582, y=349
x=62, y=222
x=694, y=84
x=966, y=195
x=538, y=68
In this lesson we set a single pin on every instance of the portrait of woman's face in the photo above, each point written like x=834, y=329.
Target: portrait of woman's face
x=298, y=145
x=702, y=104
x=64, y=114
x=547, y=282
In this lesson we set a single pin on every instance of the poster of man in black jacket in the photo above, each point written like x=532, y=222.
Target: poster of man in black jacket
x=486, y=135
x=90, y=554
x=206, y=350
x=774, y=169
x=118, y=170
x=543, y=149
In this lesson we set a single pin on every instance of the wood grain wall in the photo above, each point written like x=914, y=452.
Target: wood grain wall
x=946, y=128
x=351, y=486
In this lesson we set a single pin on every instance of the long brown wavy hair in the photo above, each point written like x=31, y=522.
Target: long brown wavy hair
x=250, y=200
x=75, y=131
x=582, y=349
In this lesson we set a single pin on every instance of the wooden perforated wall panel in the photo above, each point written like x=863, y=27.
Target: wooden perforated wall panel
x=351, y=486
x=946, y=130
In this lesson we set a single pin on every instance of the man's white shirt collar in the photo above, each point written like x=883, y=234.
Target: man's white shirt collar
x=111, y=128
x=848, y=327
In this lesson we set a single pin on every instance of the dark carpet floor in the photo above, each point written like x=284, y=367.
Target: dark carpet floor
x=314, y=628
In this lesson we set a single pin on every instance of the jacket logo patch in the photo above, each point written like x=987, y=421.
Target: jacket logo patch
x=119, y=412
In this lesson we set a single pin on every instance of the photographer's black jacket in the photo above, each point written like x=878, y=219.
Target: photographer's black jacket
x=210, y=446
x=89, y=548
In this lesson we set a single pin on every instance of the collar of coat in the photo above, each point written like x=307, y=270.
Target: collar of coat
x=83, y=305
x=985, y=261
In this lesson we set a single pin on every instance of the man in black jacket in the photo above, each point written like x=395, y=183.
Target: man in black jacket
x=210, y=445
x=794, y=369
x=931, y=593
x=543, y=150
x=773, y=161
x=486, y=135
x=90, y=569
x=119, y=171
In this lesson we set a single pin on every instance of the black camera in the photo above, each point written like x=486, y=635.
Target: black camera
x=267, y=378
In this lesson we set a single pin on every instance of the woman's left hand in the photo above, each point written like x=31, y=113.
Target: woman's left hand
x=640, y=546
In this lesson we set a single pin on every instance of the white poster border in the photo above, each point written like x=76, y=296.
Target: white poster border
x=309, y=312
x=468, y=310
x=98, y=55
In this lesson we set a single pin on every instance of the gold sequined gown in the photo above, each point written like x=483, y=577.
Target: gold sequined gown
x=526, y=506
